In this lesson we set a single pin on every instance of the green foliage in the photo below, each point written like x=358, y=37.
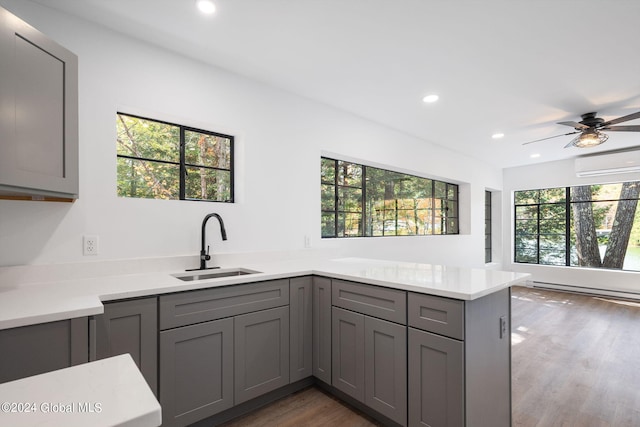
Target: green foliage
x=541, y=229
x=152, y=166
x=395, y=203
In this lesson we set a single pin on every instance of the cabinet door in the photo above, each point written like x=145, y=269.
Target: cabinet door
x=36, y=349
x=39, y=124
x=196, y=371
x=261, y=352
x=348, y=352
x=322, y=329
x=130, y=327
x=300, y=328
x=436, y=384
x=385, y=376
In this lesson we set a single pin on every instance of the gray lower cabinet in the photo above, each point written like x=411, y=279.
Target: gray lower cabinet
x=347, y=349
x=385, y=368
x=196, y=371
x=322, y=328
x=129, y=327
x=460, y=361
x=220, y=347
x=261, y=352
x=36, y=349
x=39, y=120
x=370, y=362
x=300, y=328
x=436, y=382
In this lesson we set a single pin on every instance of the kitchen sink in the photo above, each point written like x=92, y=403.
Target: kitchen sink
x=205, y=275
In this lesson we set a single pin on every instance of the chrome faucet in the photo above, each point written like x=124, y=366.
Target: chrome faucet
x=204, y=255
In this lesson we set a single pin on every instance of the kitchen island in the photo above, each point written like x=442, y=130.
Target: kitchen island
x=412, y=344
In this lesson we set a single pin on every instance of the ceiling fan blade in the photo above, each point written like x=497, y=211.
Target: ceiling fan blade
x=575, y=125
x=621, y=119
x=572, y=142
x=628, y=128
x=551, y=137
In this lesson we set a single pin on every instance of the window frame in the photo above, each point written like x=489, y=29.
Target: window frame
x=364, y=227
x=488, y=228
x=568, y=220
x=182, y=164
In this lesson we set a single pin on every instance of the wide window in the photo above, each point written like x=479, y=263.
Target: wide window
x=363, y=201
x=586, y=226
x=160, y=160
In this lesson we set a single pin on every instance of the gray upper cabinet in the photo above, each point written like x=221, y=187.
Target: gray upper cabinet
x=129, y=327
x=322, y=328
x=36, y=349
x=300, y=328
x=39, y=123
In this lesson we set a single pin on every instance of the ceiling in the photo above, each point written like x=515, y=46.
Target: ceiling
x=510, y=66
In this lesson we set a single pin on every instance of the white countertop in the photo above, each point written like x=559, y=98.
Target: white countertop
x=32, y=303
x=108, y=392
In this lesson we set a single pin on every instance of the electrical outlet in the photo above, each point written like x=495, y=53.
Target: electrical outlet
x=503, y=326
x=307, y=241
x=89, y=245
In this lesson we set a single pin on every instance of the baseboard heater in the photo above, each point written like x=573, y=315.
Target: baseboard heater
x=584, y=290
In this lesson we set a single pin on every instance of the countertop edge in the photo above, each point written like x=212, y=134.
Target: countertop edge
x=90, y=294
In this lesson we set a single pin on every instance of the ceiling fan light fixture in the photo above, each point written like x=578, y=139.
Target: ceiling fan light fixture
x=590, y=138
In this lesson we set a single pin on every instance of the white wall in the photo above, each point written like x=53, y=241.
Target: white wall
x=280, y=138
x=559, y=174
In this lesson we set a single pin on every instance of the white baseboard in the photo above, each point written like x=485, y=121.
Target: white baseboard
x=584, y=290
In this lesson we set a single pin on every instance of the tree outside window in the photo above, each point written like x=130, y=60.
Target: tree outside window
x=363, y=201
x=594, y=226
x=160, y=160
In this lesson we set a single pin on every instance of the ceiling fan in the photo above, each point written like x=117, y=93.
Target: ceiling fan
x=590, y=129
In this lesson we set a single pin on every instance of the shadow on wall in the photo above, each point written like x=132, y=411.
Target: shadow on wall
x=32, y=224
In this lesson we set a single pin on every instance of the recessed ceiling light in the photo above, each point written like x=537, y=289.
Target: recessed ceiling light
x=497, y=135
x=535, y=156
x=430, y=98
x=206, y=6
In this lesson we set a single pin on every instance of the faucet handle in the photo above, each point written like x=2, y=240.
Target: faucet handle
x=207, y=256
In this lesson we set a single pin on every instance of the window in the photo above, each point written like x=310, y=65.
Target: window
x=359, y=200
x=160, y=160
x=487, y=227
x=594, y=226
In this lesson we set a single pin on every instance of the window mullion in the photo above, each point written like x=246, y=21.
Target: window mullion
x=567, y=226
x=183, y=168
x=363, y=201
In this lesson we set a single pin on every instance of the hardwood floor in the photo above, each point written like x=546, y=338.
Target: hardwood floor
x=310, y=407
x=575, y=363
x=575, y=360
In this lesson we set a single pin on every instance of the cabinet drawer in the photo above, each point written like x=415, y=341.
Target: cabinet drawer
x=187, y=308
x=443, y=316
x=387, y=304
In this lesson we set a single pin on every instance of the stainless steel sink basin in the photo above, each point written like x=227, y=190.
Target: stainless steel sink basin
x=207, y=274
